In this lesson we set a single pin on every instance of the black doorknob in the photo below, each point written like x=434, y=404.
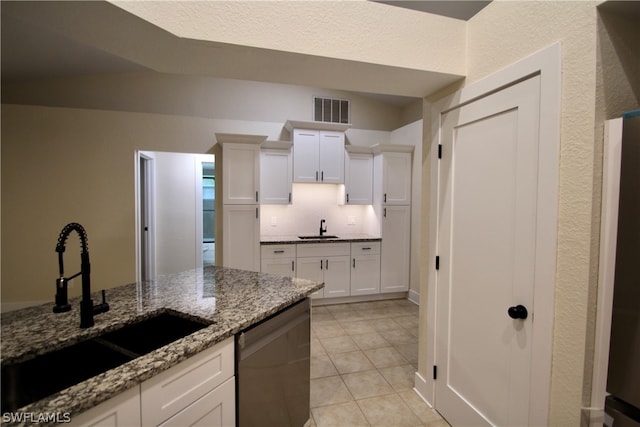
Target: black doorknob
x=518, y=312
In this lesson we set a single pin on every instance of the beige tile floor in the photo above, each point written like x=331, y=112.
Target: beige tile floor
x=363, y=360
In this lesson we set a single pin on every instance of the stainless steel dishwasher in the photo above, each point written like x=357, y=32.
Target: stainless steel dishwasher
x=273, y=369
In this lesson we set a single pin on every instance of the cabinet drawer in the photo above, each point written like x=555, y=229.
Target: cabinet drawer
x=278, y=251
x=365, y=248
x=173, y=390
x=214, y=409
x=324, y=249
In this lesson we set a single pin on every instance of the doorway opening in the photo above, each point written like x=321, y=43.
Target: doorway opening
x=175, y=212
x=145, y=226
x=208, y=213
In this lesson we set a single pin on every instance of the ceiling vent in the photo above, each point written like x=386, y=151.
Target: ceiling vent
x=330, y=110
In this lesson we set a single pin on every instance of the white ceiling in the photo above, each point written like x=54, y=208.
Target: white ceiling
x=32, y=50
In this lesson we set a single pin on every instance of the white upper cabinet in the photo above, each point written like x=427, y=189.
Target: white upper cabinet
x=306, y=161
x=392, y=172
x=241, y=169
x=331, y=157
x=276, y=173
x=358, y=177
x=318, y=151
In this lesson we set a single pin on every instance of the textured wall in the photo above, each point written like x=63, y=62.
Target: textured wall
x=499, y=35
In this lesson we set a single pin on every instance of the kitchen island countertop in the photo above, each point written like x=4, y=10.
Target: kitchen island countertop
x=229, y=300
x=290, y=239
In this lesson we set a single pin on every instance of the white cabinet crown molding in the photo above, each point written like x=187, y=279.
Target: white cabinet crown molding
x=392, y=148
x=290, y=125
x=358, y=149
x=238, y=138
x=277, y=145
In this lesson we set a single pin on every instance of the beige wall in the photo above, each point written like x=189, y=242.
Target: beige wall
x=63, y=165
x=197, y=96
x=498, y=36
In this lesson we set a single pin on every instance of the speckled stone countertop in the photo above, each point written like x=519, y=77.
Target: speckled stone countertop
x=229, y=300
x=289, y=239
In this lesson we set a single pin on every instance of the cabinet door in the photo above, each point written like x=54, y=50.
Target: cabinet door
x=394, y=260
x=365, y=274
x=178, y=388
x=276, y=170
x=337, y=277
x=279, y=266
x=331, y=157
x=358, y=179
x=240, y=173
x=214, y=409
x=311, y=268
x=306, y=145
x=396, y=178
x=119, y=411
x=241, y=237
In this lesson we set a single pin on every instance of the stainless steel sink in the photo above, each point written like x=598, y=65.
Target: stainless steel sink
x=31, y=380
x=324, y=236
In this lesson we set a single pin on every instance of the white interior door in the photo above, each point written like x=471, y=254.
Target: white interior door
x=487, y=249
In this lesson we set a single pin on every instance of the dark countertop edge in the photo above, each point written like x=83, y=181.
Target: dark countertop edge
x=295, y=240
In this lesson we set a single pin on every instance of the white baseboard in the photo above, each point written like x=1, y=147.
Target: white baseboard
x=11, y=306
x=359, y=298
x=414, y=297
x=421, y=388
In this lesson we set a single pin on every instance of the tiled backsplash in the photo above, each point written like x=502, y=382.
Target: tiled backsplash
x=312, y=202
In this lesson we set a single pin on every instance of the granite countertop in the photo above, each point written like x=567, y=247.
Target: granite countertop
x=229, y=300
x=292, y=238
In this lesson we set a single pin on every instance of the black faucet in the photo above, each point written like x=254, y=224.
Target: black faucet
x=322, y=229
x=87, y=309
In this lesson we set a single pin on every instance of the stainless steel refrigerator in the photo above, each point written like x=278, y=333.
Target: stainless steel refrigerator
x=622, y=408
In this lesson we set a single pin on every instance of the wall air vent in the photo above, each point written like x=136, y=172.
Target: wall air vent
x=330, y=110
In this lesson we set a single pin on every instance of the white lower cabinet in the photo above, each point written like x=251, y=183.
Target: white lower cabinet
x=395, y=253
x=120, y=411
x=202, y=387
x=365, y=268
x=328, y=263
x=278, y=259
x=197, y=392
x=241, y=237
x=214, y=409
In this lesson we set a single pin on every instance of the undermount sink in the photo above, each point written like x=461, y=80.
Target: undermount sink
x=31, y=380
x=324, y=236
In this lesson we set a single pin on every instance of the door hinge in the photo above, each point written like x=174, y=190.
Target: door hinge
x=439, y=151
x=435, y=372
x=437, y=263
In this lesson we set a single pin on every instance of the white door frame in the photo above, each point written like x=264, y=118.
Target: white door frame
x=606, y=272
x=150, y=252
x=547, y=64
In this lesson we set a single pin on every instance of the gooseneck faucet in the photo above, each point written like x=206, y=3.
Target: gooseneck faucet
x=322, y=229
x=87, y=310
